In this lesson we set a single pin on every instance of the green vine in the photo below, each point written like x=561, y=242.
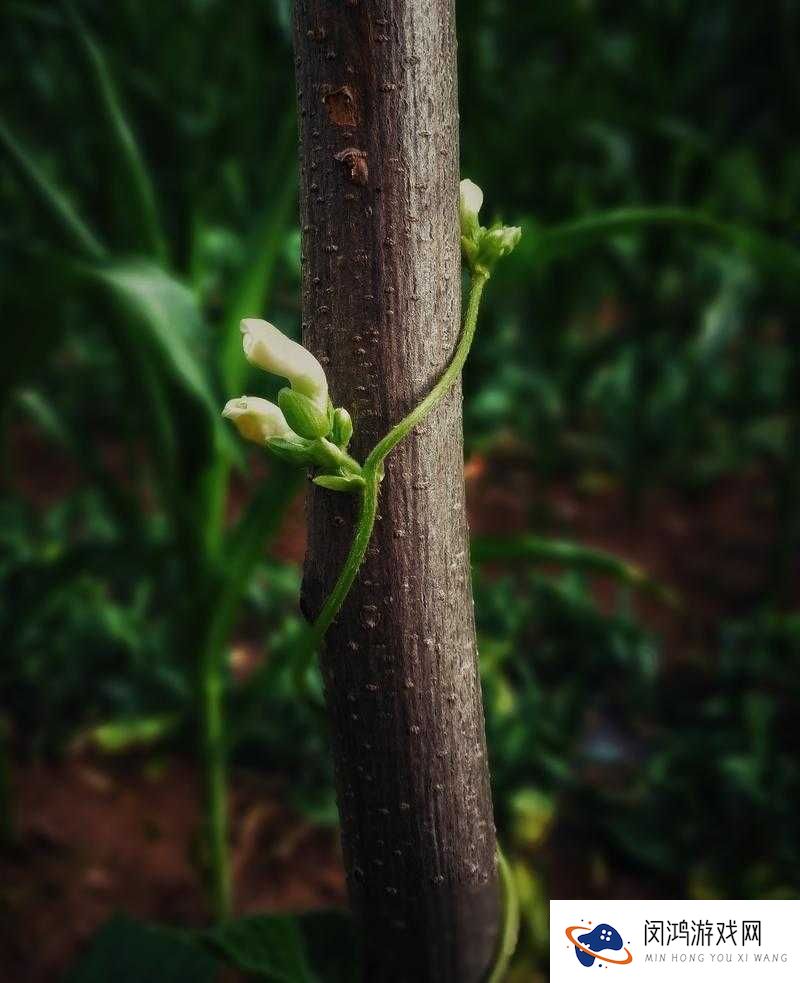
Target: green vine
x=509, y=921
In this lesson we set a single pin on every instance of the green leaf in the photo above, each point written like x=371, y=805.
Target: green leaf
x=318, y=947
x=724, y=319
x=121, y=735
x=160, y=339
x=169, y=318
x=134, y=181
x=54, y=202
x=46, y=417
x=270, y=947
x=771, y=256
x=126, y=951
x=534, y=549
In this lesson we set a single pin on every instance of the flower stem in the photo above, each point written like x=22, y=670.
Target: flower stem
x=372, y=471
x=214, y=758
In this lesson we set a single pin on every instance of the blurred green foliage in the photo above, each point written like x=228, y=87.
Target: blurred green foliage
x=643, y=338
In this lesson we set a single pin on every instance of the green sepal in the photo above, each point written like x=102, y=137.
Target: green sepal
x=295, y=450
x=326, y=454
x=497, y=242
x=483, y=249
x=338, y=483
x=303, y=415
x=470, y=250
x=342, y=428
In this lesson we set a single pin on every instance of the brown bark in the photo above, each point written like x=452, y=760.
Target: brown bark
x=381, y=299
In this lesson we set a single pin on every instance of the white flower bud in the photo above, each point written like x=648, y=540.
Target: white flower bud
x=257, y=419
x=270, y=349
x=470, y=199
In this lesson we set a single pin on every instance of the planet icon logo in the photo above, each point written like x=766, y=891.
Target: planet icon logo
x=593, y=942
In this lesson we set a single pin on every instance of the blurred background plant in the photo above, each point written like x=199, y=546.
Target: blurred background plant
x=633, y=466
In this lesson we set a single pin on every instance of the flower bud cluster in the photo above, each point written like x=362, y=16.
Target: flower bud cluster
x=303, y=428
x=482, y=247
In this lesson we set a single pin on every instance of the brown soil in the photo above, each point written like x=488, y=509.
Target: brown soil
x=98, y=836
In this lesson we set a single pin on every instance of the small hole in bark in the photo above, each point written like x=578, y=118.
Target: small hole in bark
x=355, y=161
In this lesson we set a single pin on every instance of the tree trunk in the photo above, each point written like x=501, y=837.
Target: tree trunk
x=381, y=309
